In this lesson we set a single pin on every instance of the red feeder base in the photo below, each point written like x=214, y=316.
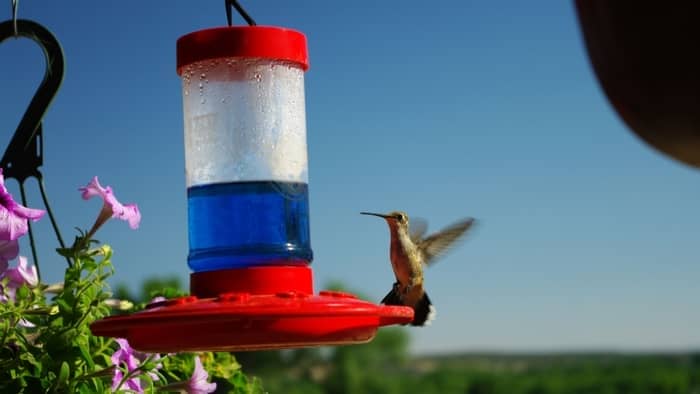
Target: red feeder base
x=252, y=309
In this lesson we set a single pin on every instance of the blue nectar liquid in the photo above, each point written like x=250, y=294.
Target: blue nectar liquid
x=243, y=224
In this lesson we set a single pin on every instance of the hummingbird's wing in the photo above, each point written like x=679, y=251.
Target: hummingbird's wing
x=438, y=243
x=416, y=229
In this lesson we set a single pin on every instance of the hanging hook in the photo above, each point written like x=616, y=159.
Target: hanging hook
x=240, y=10
x=14, y=16
x=25, y=152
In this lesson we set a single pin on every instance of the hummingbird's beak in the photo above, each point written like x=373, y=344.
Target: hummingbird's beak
x=375, y=214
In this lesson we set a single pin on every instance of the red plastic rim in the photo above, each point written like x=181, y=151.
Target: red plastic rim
x=241, y=321
x=262, y=42
x=256, y=308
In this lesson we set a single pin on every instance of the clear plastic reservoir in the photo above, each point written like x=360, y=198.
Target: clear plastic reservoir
x=246, y=163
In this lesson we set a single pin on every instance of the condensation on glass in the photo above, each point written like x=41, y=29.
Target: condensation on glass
x=246, y=163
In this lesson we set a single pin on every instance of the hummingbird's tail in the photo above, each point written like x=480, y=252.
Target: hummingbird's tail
x=423, y=311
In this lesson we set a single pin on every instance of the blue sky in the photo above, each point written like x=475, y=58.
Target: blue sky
x=587, y=238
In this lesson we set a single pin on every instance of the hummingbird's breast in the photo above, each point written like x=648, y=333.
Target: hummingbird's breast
x=402, y=255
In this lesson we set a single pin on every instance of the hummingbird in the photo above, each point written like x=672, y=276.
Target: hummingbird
x=409, y=251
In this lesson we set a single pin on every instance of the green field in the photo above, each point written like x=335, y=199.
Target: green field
x=356, y=370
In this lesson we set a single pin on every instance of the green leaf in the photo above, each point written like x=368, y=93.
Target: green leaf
x=29, y=358
x=63, y=375
x=64, y=307
x=65, y=252
x=97, y=387
x=23, y=292
x=86, y=355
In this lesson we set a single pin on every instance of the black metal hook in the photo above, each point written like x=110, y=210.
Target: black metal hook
x=240, y=10
x=25, y=153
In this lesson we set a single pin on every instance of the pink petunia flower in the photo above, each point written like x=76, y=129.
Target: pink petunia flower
x=154, y=357
x=157, y=299
x=22, y=274
x=13, y=216
x=197, y=384
x=111, y=207
x=132, y=359
x=125, y=355
x=9, y=249
x=18, y=276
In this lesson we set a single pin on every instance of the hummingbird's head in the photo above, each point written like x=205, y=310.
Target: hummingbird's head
x=393, y=218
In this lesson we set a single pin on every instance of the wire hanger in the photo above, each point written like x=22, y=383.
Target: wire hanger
x=240, y=10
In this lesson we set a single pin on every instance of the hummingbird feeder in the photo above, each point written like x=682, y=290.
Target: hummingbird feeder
x=248, y=211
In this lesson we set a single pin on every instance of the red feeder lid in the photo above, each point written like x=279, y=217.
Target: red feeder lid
x=254, y=280
x=256, y=309
x=262, y=42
